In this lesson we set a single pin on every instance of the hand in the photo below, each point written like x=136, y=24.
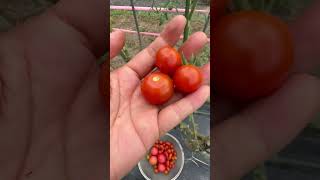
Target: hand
x=52, y=121
x=247, y=137
x=135, y=124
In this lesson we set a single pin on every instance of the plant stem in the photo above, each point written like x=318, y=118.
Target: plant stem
x=206, y=22
x=189, y=17
x=193, y=7
x=202, y=113
x=186, y=14
x=136, y=22
x=152, y=5
x=124, y=55
x=191, y=118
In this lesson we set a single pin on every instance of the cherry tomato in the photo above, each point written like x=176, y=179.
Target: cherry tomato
x=168, y=60
x=187, y=79
x=153, y=160
x=157, y=88
x=253, y=55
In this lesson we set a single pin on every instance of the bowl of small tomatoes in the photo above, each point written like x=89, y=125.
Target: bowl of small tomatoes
x=164, y=160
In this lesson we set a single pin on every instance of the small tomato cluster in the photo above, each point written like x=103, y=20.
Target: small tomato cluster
x=158, y=87
x=162, y=157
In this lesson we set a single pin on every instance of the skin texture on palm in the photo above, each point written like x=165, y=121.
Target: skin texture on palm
x=52, y=117
x=248, y=135
x=135, y=124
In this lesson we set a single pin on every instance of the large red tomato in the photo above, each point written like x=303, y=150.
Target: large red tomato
x=168, y=60
x=187, y=79
x=253, y=53
x=157, y=88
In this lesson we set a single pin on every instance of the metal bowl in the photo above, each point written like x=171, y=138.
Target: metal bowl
x=147, y=170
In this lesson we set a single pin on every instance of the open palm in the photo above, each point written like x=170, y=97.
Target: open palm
x=135, y=124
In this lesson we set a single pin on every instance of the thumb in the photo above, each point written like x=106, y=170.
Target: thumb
x=117, y=39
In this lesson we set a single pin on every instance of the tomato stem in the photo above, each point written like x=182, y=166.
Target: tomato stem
x=184, y=59
x=193, y=60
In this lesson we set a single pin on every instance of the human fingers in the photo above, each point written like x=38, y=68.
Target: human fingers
x=117, y=39
x=143, y=62
x=173, y=114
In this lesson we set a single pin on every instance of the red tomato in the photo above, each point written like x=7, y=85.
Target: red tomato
x=187, y=79
x=168, y=60
x=153, y=160
x=162, y=158
x=161, y=167
x=157, y=88
x=253, y=54
x=154, y=151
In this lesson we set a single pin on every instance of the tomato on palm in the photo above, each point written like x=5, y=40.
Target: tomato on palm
x=157, y=88
x=187, y=78
x=168, y=60
x=253, y=55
